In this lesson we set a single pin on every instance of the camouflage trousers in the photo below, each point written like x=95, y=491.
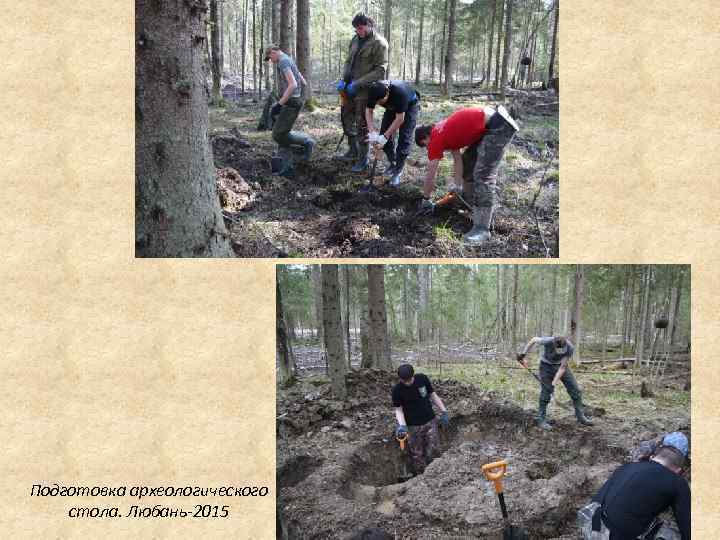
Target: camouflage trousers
x=423, y=445
x=662, y=530
x=481, y=160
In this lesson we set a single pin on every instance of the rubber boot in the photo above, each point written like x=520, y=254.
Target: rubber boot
x=480, y=232
x=541, y=422
x=361, y=165
x=352, y=152
x=397, y=173
x=287, y=168
x=390, y=169
x=580, y=414
x=308, y=146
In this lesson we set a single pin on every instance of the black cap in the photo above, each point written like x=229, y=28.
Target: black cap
x=405, y=372
x=361, y=20
x=377, y=91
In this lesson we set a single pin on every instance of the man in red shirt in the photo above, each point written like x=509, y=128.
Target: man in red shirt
x=485, y=132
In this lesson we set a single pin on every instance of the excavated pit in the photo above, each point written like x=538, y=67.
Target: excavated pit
x=549, y=476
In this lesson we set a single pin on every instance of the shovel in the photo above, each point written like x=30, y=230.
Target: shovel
x=494, y=473
x=405, y=474
x=552, y=394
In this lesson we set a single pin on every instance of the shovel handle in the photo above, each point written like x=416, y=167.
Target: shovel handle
x=402, y=441
x=494, y=472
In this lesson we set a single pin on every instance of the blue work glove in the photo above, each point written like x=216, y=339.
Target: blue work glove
x=401, y=431
x=444, y=418
x=276, y=109
x=340, y=86
x=351, y=89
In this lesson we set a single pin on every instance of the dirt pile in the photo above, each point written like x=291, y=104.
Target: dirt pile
x=235, y=193
x=339, y=465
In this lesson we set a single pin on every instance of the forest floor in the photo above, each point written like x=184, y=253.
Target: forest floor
x=321, y=212
x=339, y=466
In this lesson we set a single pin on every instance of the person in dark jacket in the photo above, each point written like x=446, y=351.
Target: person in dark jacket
x=629, y=503
x=366, y=63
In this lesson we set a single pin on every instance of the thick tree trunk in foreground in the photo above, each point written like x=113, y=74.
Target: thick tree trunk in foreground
x=379, y=343
x=337, y=367
x=177, y=211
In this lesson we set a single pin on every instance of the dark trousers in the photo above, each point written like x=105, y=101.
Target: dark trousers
x=405, y=133
x=547, y=374
x=282, y=129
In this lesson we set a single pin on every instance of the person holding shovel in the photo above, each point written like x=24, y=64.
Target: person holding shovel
x=413, y=398
x=629, y=503
x=555, y=354
x=402, y=104
x=485, y=133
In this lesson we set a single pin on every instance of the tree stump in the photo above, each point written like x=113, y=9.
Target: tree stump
x=645, y=391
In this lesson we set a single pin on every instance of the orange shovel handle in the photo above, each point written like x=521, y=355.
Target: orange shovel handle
x=494, y=472
x=402, y=440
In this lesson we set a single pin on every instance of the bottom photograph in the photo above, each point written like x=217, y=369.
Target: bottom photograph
x=483, y=401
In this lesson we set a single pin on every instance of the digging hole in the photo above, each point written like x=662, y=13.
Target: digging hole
x=296, y=470
x=542, y=469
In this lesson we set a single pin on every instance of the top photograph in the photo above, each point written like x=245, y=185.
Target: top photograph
x=330, y=129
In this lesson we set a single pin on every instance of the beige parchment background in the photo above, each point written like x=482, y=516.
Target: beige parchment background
x=118, y=371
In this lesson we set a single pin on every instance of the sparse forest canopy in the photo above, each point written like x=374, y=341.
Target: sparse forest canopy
x=420, y=33
x=452, y=304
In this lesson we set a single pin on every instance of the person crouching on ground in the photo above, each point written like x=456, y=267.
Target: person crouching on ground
x=629, y=503
x=485, y=132
x=402, y=104
x=413, y=398
x=287, y=109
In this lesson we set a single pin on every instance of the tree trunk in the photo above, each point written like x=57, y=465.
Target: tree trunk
x=506, y=52
x=346, y=272
x=575, y=322
x=442, y=58
x=553, y=301
x=388, y=26
x=285, y=26
x=423, y=286
x=379, y=344
x=488, y=69
x=676, y=307
x=177, y=210
x=420, y=43
x=215, y=51
x=283, y=351
x=333, y=331
x=498, y=307
x=499, y=42
x=450, y=51
x=551, y=65
x=516, y=271
x=316, y=276
x=244, y=48
x=304, y=63
x=640, y=353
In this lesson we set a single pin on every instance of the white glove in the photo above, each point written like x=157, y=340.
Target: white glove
x=452, y=188
x=373, y=137
x=380, y=140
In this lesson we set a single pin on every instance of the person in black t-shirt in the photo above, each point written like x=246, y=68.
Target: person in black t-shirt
x=637, y=493
x=413, y=398
x=402, y=104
